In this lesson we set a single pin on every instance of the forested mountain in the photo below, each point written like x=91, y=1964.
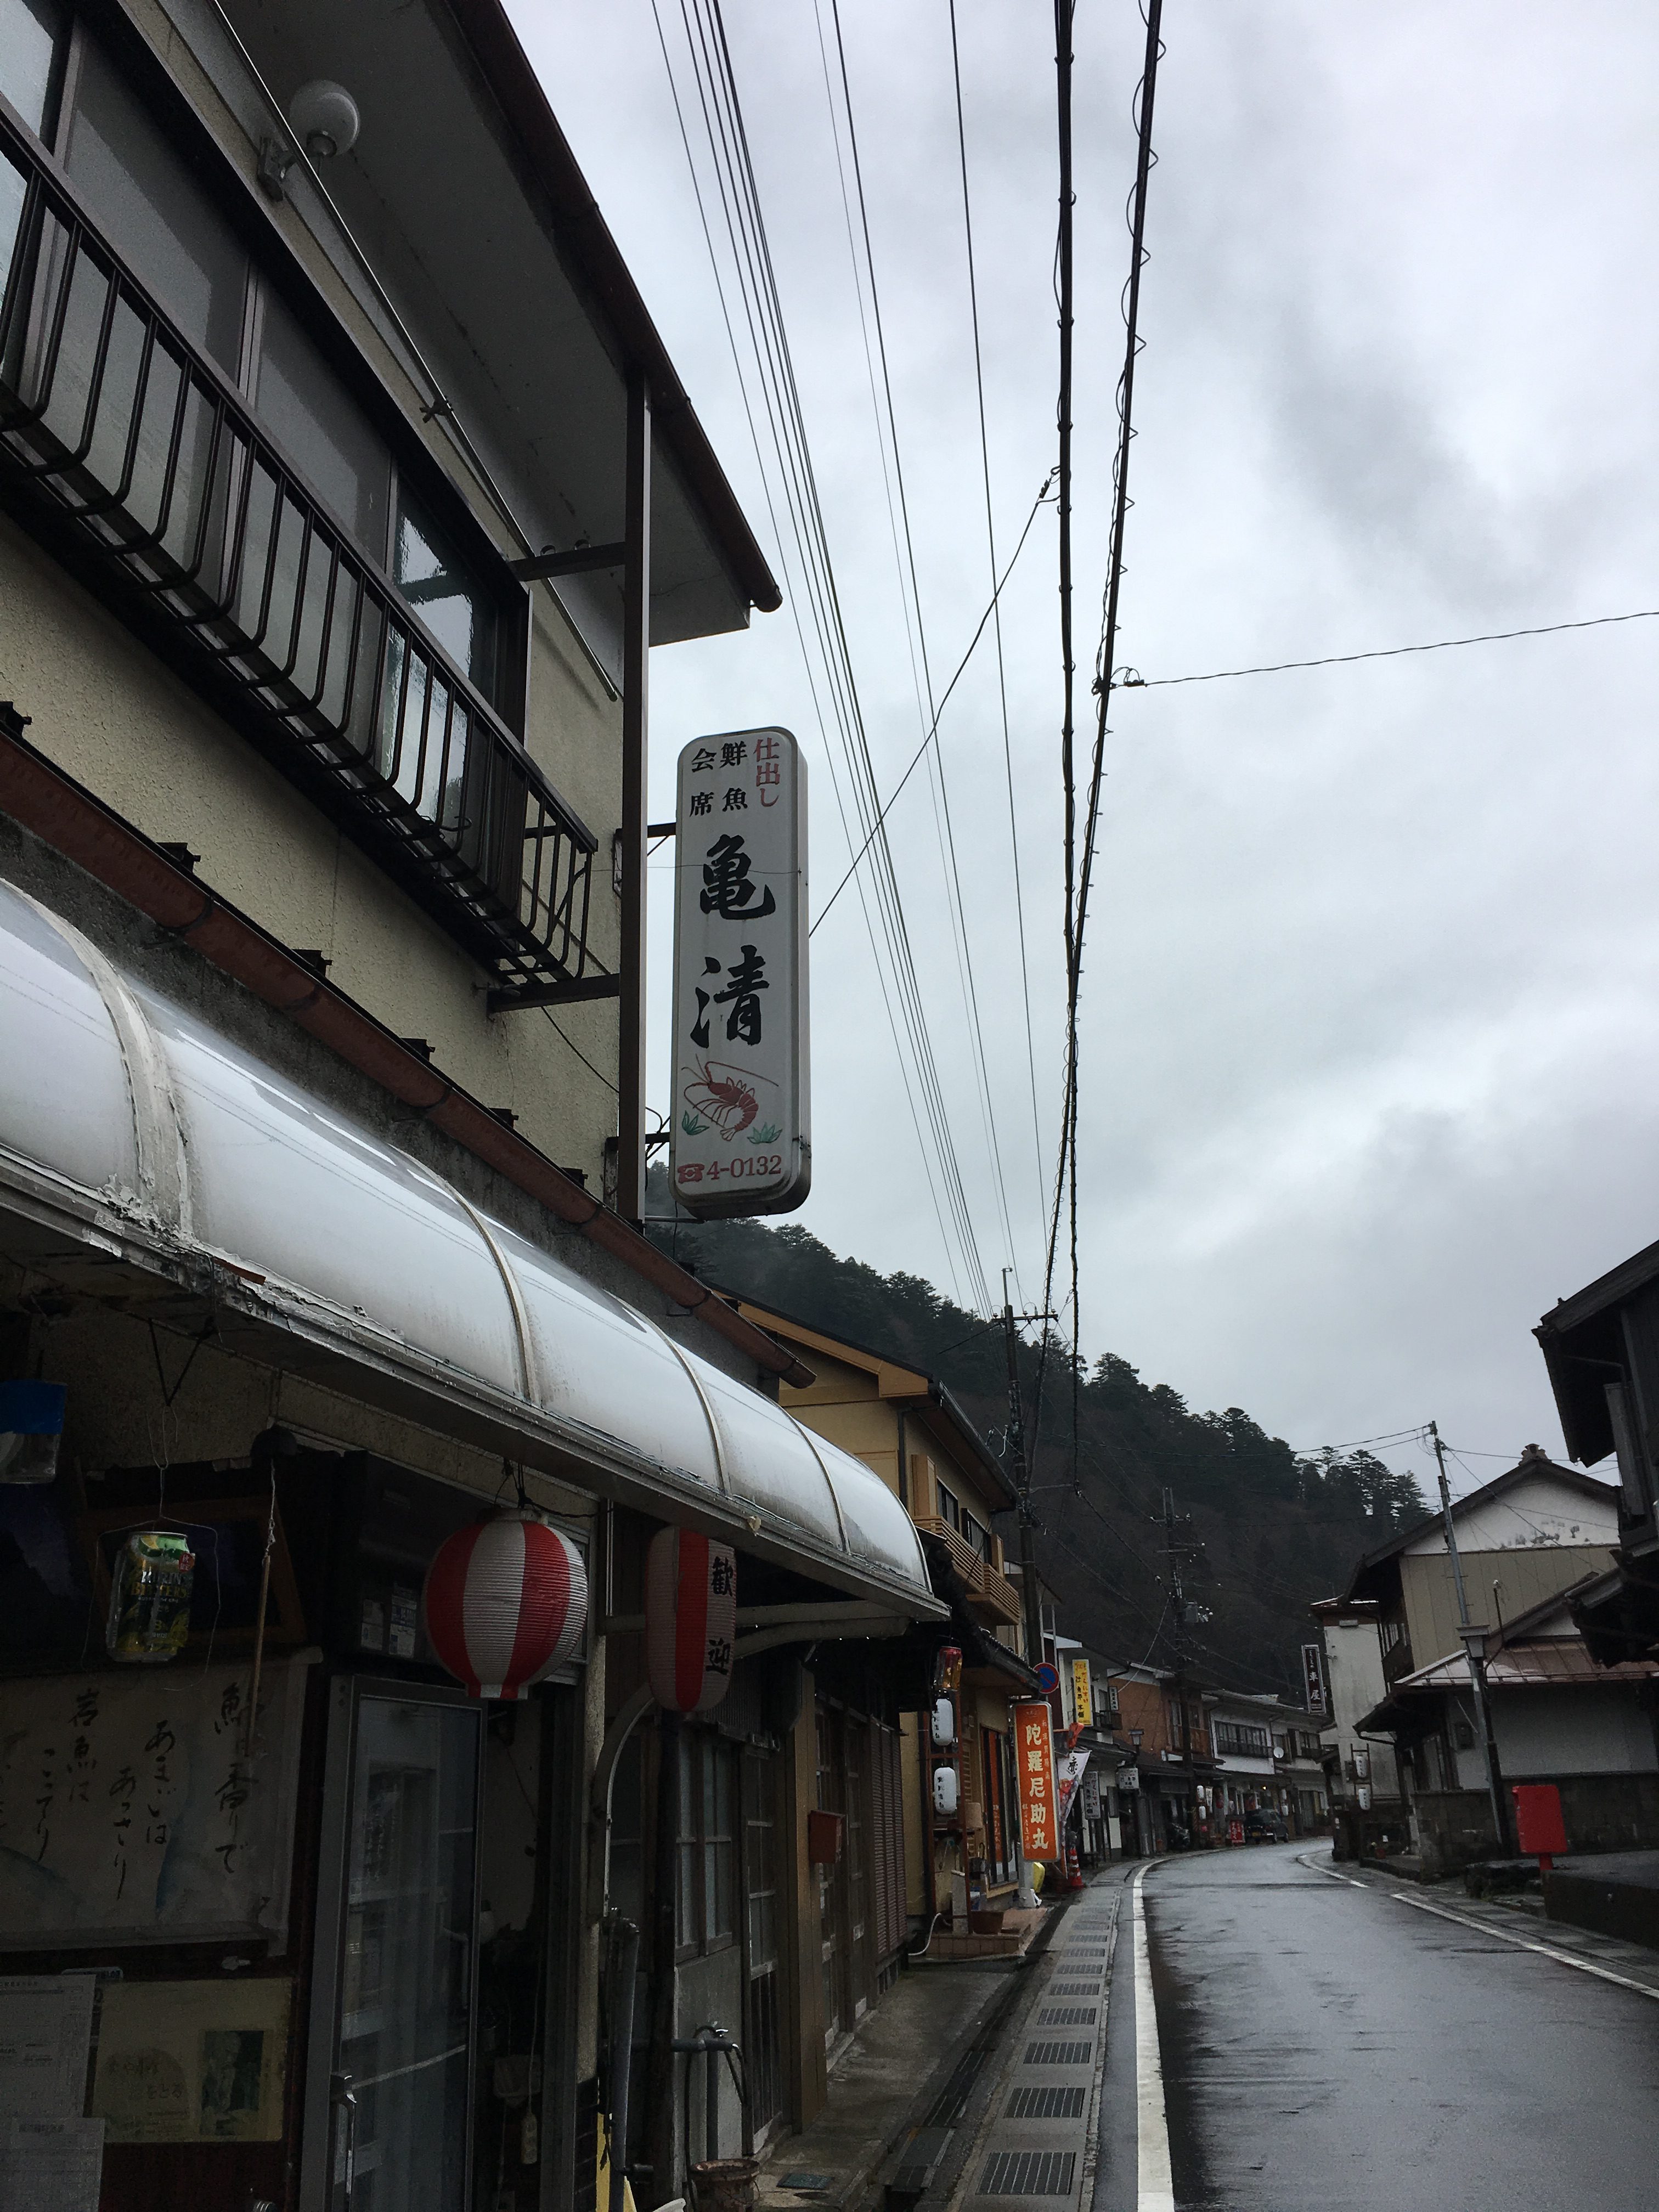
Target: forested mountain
x=1271, y=1530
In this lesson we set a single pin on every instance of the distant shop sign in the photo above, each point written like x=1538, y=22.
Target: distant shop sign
x=740, y=1136
x=1313, y=1676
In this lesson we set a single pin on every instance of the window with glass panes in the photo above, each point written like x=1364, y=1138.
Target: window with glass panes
x=706, y=1901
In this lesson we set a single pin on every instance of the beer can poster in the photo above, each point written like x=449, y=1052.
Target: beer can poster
x=1034, y=1769
x=741, y=1135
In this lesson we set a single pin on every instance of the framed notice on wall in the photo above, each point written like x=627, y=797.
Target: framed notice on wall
x=192, y=2061
x=131, y=1811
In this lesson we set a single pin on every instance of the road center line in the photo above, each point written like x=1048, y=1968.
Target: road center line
x=1480, y=1928
x=1155, y=2184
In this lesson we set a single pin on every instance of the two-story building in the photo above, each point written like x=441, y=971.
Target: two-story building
x=1089, y=1718
x=1523, y=1539
x=907, y=1427
x=1162, y=1714
x=1362, y=1777
x=345, y=485
x=1270, y=1756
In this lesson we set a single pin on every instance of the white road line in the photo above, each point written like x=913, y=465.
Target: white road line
x=1525, y=1943
x=1481, y=1927
x=1155, y=2185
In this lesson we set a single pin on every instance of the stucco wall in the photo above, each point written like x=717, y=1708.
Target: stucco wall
x=105, y=710
x=1591, y=1729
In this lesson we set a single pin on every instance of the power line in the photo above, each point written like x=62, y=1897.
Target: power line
x=756, y=282
x=915, y=758
x=791, y=489
x=1130, y=681
x=1063, y=295
x=959, y=916
x=991, y=547
x=1078, y=881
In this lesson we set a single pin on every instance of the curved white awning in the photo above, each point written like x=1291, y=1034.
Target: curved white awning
x=132, y=1123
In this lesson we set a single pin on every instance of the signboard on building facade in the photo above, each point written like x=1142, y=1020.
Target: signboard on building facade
x=1034, y=1768
x=1083, y=1704
x=740, y=1132
x=1313, y=1676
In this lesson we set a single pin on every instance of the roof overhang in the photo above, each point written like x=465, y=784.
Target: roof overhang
x=150, y=1162
x=922, y=1397
x=1617, y=1613
x=464, y=192
x=1583, y=1341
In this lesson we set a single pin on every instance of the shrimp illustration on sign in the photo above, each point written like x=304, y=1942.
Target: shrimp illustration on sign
x=724, y=1096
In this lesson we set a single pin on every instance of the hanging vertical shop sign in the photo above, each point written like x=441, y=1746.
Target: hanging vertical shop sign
x=1083, y=1704
x=690, y=1620
x=1034, y=1768
x=1313, y=1674
x=741, y=1139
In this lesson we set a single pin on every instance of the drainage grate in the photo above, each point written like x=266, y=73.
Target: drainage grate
x=921, y=2156
x=1059, y=2054
x=1067, y=2016
x=1047, y=2103
x=1074, y=1989
x=1029, y=2173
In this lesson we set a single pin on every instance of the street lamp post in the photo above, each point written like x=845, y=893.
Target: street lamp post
x=1475, y=1636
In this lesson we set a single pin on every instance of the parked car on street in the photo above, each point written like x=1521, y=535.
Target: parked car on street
x=1265, y=1828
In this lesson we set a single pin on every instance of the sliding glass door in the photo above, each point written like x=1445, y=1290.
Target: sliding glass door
x=395, y=1992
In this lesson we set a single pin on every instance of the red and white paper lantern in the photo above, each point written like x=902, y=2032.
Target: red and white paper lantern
x=506, y=1602
x=690, y=1620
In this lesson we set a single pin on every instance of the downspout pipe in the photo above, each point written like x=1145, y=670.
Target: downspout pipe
x=74, y=821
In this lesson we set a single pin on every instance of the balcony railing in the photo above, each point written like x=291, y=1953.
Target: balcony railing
x=987, y=1589
x=128, y=451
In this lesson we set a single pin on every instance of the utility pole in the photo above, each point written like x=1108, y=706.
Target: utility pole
x=1014, y=1450
x=1177, y=1596
x=1474, y=1637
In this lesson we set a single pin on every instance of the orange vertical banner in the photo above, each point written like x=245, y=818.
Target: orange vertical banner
x=1034, y=1764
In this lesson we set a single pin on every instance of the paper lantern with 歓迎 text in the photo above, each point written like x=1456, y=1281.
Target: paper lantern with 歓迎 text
x=690, y=1620
x=506, y=1602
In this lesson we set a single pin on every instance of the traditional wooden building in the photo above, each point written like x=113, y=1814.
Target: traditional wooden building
x=908, y=1428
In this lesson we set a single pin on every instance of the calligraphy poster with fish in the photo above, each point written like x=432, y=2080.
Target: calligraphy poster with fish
x=131, y=1811
x=741, y=1135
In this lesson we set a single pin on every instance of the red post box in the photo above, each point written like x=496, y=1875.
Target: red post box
x=1538, y=1826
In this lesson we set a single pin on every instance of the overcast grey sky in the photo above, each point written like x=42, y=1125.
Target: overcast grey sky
x=1369, y=1053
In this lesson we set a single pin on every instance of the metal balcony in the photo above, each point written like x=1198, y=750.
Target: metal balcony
x=128, y=453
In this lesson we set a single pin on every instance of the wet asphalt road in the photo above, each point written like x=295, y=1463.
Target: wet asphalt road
x=1323, y=2045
